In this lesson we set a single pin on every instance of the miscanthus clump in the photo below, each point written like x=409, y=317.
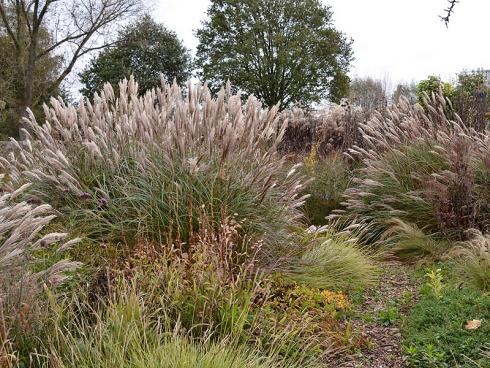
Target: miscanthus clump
x=422, y=168
x=127, y=167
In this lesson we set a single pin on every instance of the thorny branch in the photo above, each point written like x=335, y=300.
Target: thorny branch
x=449, y=11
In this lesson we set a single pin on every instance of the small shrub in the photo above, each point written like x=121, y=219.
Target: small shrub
x=435, y=282
x=328, y=130
x=316, y=316
x=453, y=193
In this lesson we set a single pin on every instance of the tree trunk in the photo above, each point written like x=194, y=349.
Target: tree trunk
x=28, y=85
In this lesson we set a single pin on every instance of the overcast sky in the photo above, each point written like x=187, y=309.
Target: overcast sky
x=402, y=40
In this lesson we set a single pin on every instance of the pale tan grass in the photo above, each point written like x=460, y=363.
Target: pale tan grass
x=20, y=227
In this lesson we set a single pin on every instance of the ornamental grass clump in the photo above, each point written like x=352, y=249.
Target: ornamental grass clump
x=331, y=176
x=423, y=169
x=167, y=305
x=129, y=333
x=334, y=260
x=128, y=166
x=208, y=284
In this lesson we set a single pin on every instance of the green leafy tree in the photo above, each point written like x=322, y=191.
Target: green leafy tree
x=471, y=83
x=281, y=51
x=144, y=49
x=433, y=84
x=12, y=80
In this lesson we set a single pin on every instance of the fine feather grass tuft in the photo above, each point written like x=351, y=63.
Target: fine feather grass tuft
x=409, y=243
x=473, y=257
x=334, y=261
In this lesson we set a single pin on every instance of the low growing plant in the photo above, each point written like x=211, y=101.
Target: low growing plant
x=126, y=333
x=409, y=243
x=434, y=333
x=435, y=282
x=318, y=316
x=388, y=316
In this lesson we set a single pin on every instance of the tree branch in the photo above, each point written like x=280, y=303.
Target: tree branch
x=3, y=15
x=78, y=54
x=449, y=11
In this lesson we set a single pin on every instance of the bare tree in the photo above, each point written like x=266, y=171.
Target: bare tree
x=369, y=93
x=76, y=28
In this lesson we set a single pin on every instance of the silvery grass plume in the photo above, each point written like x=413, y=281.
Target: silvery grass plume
x=407, y=123
x=190, y=134
x=415, y=162
x=184, y=128
x=20, y=228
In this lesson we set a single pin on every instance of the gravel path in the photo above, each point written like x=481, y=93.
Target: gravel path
x=395, y=292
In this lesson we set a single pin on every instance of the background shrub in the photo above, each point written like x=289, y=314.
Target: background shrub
x=331, y=176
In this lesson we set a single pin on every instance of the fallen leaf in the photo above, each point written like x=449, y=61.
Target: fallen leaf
x=473, y=324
